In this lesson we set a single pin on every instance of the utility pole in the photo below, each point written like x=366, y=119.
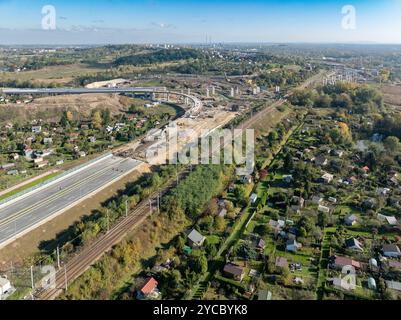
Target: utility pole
x=158, y=203
x=65, y=278
x=58, y=257
x=126, y=208
x=150, y=205
x=32, y=282
x=108, y=221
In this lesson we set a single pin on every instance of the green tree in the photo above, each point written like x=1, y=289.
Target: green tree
x=392, y=144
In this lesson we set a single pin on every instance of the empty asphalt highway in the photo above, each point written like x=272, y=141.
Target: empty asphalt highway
x=29, y=211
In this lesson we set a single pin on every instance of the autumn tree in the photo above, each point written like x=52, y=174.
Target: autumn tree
x=97, y=120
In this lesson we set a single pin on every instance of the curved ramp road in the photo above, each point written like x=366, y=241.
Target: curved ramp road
x=28, y=212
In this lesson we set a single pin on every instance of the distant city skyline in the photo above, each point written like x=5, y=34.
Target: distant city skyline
x=178, y=21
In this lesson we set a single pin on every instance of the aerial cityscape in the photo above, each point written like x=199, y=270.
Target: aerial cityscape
x=200, y=151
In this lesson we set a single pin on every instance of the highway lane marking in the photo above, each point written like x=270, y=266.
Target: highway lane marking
x=58, y=194
x=55, y=196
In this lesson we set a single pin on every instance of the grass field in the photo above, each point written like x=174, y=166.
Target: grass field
x=56, y=74
x=29, y=185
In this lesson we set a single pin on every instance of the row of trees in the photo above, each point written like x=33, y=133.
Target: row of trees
x=353, y=98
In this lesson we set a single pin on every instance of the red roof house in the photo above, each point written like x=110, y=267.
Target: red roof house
x=149, y=286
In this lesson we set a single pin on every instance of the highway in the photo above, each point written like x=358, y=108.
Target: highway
x=197, y=104
x=28, y=211
x=85, y=90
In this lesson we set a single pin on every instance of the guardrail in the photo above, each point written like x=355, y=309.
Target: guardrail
x=60, y=176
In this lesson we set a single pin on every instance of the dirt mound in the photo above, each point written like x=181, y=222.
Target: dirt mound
x=50, y=108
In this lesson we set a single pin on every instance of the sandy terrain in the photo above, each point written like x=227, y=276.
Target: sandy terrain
x=49, y=108
x=392, y=95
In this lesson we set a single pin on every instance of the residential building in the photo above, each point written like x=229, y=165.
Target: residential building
x=338, y=262
x=247, y=179
x=5, y=286
x=292, y=245
x=281, y=262
x=234, y=271
x=253, y=198
x=323, y=209
x=148, y=291
x=326, y=178
x=391, y=220
x=391, y=250
x=353, y=244
x=195, y=239
x=350, y=219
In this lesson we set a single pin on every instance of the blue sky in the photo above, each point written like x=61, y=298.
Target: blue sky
x=173, y=21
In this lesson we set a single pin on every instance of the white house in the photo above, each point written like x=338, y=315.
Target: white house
x=391, y=250
x=353, y=244
x=292, y=245
x=382, y=191
x=332, y=200
x=36, y=129
x=350, y=220
x=196, y=239
x=288, y=178
x=253, y=198
x=317, y=200
x=323, y=209
x=391, y=220
x=327, y=178
x=5, y=286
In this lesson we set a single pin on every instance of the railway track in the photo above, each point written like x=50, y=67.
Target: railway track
x=90, y=254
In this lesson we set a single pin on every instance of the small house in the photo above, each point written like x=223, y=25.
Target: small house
x=148, y=291
x=372, y=283
x=321, y=161
x=382, y=191
x=323, y=209
x=47, y=140
x=234, y=271
x=391, y=250
x=332, y=200
x=260, y=245
x=292, y=246
x=195, y=239
x=246, y=179
x=222, y=212
x=391, y=220
x=338, y=262
x=288, y=178
x=253, y=198
x=281, y=262
x=326, y=178
x=350, y=219
x=36, y=129
x=5, y=286
x=353, y=244
x=317, y=200
x=264, y=295
x=394, y=285
x=297, y=203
